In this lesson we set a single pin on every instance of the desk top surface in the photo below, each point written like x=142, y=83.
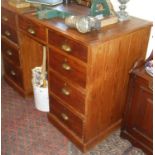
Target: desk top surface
x=96, y=36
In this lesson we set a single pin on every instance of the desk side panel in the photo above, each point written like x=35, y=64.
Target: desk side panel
x=109, y=66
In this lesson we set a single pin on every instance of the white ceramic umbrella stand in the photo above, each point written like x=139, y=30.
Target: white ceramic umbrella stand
x=40, y=85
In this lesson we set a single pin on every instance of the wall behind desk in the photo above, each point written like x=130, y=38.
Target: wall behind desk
x=144, y=10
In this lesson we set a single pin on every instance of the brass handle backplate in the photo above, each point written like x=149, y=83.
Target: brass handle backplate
x=65, y=117
x=31, y=31
x=66, y=48
x=7, y=33
x=13, y=73
x=65, y=91
x=9, y=52
x=66, y=67
x=5, y=19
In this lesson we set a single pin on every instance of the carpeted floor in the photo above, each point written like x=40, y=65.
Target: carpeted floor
x=26, y=131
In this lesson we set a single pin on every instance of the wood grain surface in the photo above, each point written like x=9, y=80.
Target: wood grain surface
x=96, y=71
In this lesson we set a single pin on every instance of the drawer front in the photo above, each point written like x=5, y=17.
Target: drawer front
x=8, y=18
x=67, y=45
x=66, y=117
x=9, y=33
x=33, y=29
x=67, y=92
x=72, y=70
x=10, y=52
x=13, y=73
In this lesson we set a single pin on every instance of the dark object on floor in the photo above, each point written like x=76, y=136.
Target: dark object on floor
x=138, y=117
x=26, y=131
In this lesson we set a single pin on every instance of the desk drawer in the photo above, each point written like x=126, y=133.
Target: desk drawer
x=66, y=117
x=67, y=92
x=14, y=73
x=9, y=33
x=10, y=52
x=32, y=28
x=69, y=68
x=67, y=45
x=8, y=18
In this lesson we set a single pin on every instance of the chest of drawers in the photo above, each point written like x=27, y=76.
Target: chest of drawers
x=138, y=117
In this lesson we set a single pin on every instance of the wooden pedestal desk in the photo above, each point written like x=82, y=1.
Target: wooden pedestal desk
x=87, y=73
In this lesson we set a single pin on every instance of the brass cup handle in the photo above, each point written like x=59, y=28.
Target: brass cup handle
x=9, y=52
x=7, y=33
x=4, y=18
x=31, y=31
x=13, y=73
x=65, y=117
x=66, y=67
x=65, y=92
x=66, y=48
